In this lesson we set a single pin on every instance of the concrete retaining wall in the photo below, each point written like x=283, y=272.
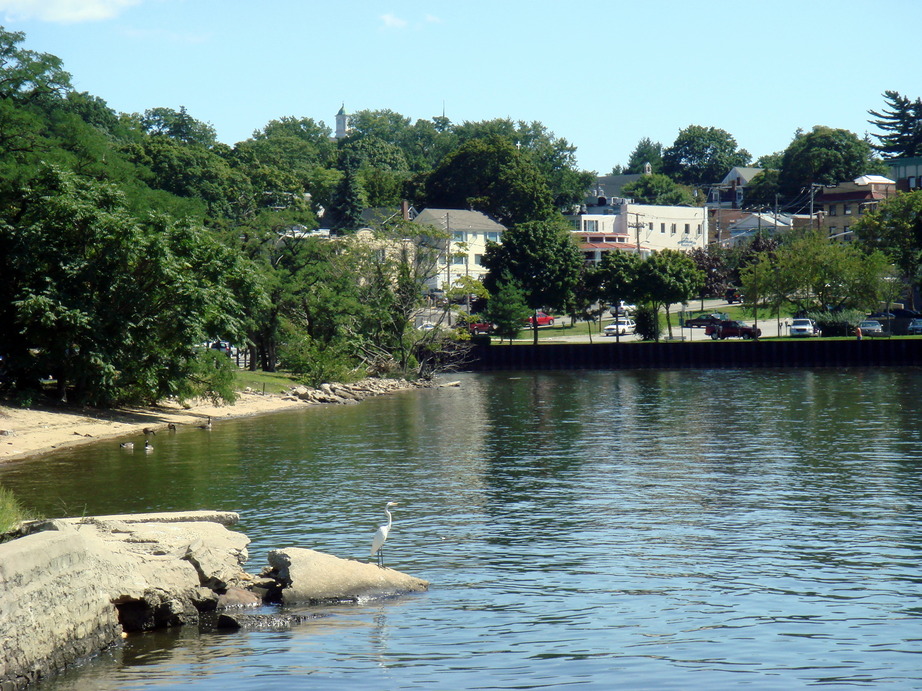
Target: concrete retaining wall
x=876, y=352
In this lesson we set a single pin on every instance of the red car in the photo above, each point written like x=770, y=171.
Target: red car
x=732, y=329
x=543, y=319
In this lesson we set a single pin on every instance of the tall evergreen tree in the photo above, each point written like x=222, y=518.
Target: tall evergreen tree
x=901, y=124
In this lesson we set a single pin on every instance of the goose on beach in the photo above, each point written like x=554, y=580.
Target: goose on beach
x=171, y=427
x=149, y=431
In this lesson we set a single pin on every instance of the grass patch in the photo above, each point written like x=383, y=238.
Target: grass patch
x=11, y=511
x=270, y=382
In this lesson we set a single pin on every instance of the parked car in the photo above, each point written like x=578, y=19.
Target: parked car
x=480, y=327
x=732, y=329
x=221, y=347
x=733, y=295
x=871, y=327
x=705, y=319
x=622, y=308
x=915, y=327
x=622, y=325
x=905, y=313
x=542, y=318
x=804, y=327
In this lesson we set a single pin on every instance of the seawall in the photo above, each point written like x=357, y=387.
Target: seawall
x=877, y=352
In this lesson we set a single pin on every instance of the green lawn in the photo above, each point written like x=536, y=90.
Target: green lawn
x=270, y=382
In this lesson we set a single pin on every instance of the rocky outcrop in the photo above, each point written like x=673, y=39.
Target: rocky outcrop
x=350, y=393
x=305, y=575
x=72, y=587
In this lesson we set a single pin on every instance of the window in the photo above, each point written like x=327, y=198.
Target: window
x=847, y=209
x=493, y=236
x=673, y=229
x=699, y=229
x=832, y=209
x=459, y=259
x=591, y=226
x=458, y=236
x=478, y=259
x=688, y=228
x=662, y=227
x=832, y=230
x=651, y=226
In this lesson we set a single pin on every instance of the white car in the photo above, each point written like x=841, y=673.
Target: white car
x=804, y=327
x=622, y=309
x=622, y=326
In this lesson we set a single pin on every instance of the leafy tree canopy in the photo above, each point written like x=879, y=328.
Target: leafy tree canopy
x=658, y=190
x=895, y=227
x=543, y=260
x=702, y=155
x=490, y=175
x=825, y=156
x=646, y=151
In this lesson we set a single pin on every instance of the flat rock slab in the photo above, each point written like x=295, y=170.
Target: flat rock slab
x=311, y=576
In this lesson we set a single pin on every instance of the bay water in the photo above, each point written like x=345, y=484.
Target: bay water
x=591, y=530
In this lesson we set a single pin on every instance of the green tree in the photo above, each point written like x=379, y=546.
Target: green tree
x=178, y=125
x=658, y=190
x=646, y=151
x=618, y=273
x=492, y=176
x=347, y=203
x=901, y=126
x=762, y=192
x=895, y=228
x=542, y=258
x=825, y=156
x=507, y=309
x=702, y=155
x=815, y=274
x=554, y=157
x=111, y=308
x=667, y=277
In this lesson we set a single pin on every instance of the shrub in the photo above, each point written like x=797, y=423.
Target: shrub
x=646, y=319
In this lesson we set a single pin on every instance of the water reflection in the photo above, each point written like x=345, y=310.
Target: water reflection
x=591, y=528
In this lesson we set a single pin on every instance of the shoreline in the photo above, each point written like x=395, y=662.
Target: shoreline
x=28, y=432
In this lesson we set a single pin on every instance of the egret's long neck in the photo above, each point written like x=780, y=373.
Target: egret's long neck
x=388, y=518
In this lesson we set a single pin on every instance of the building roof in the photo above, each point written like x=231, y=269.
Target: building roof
x=458, y=219
x=873, y=180
x=610, y=185
x=743, y=173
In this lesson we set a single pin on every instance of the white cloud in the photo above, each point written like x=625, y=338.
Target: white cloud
x=432, y=19
x=393, y=22
x=65, y=11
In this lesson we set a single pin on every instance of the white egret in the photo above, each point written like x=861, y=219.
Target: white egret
x=381, y=535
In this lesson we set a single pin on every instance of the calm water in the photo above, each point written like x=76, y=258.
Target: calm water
x=590, y=530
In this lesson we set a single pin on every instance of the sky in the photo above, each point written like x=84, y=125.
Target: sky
x=601, y=75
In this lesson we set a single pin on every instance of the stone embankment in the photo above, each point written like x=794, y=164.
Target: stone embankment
x=70, y=588
x=349, y=393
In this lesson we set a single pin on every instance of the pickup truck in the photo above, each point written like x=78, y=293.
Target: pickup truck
x=731, y=329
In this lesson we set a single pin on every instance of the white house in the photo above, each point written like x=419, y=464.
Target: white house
x=620, y=224
x=469, y=232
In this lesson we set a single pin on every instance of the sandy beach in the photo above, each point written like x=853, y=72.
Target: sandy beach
x=31, y=431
